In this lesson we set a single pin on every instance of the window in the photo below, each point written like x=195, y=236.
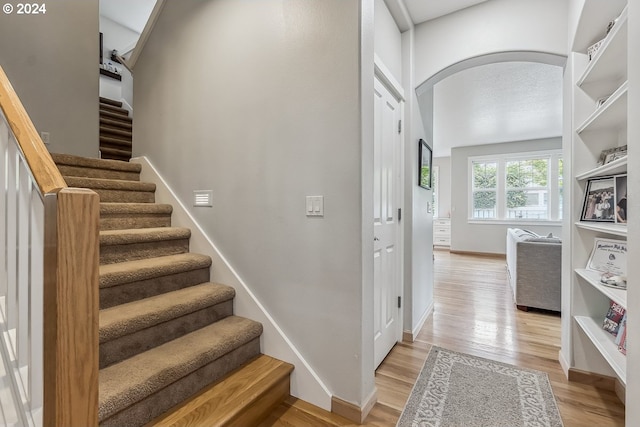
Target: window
x=485, y=180
x=517, y=187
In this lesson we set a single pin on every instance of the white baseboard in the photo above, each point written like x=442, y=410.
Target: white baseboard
x=564, y=364
x=305, y=383
x=416, y=330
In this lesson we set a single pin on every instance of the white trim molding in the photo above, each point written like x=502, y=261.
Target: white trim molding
x=386, y=78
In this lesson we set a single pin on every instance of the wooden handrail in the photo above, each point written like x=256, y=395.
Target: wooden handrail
x=45, y=173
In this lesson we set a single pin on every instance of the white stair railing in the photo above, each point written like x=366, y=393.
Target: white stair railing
x=21, y=278
x=48, y=281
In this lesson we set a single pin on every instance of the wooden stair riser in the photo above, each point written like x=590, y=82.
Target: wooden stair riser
x=166, y=398
x=129, y=345
x=110, y=254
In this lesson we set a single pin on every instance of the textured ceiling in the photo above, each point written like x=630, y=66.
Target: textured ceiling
x=508, y=101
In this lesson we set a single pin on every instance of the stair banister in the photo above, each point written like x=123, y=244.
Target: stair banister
x=48, y=278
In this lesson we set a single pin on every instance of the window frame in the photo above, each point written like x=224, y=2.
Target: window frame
x=553, y=208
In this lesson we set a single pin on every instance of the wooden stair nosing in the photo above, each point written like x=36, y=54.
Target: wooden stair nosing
x=109, y=101
x=260, y=385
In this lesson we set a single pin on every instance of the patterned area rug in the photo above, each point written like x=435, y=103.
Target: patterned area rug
x=459, y=390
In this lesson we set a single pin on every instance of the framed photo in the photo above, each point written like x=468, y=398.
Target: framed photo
x=599, y=200
x=424, y=164
x=621, y=199
x=611, y=154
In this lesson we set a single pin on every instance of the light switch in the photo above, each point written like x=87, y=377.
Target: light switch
x=315, y=205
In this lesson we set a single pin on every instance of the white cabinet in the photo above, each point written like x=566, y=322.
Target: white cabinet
x=442, y=231
x=596, y=125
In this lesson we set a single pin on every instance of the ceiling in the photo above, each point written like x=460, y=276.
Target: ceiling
x=500, y=102
x=425, y=10
x=130, y=14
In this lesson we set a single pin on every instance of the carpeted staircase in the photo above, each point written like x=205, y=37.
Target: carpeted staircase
x=115, y=130
x=166, y=332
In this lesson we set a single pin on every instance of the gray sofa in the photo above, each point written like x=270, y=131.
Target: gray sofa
x=534, y=266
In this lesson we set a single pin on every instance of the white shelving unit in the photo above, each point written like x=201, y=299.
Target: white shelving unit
x=597, y=125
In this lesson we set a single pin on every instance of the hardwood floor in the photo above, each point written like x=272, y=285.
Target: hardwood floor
x=474, y=313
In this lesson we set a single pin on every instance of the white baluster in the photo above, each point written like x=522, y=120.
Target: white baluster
x=36, y=378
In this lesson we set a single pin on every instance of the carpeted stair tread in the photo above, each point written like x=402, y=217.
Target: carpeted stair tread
x=135, y=208
x=150, y=268
x=105, y=121
x=85, y=162
x=240, y=398
x=109, y=101
x=128, y=318
x=114, y=109
x=115, y=116
x=115, y=131
x=132, y=380
x=115, y=153
x=142, y=235
x=109, y=184
x=114, y=142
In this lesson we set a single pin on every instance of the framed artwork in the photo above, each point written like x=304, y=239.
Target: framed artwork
x=425, y=158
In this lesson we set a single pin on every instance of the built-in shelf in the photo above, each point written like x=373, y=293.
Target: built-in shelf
x=615, y=167
x=610, y=115
x=608, y=68
x=605, y=343
x=604, y=227
x=592, y=25
x=593, y=278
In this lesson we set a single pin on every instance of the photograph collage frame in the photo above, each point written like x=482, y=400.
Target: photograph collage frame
x=605, y=200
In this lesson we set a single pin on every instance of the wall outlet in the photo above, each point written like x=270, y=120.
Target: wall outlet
x=45, y=137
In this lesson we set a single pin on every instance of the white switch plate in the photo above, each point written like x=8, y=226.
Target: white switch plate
x=45, y=137
x=315, y=206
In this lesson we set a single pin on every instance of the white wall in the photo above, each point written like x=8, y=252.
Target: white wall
x=261, y=103
x=116, y=36
x=418, y=226
x=633, y=298
x=52, y=62
x=387, y=41
x=444, y=195
x=490, y=27
x=487, y=238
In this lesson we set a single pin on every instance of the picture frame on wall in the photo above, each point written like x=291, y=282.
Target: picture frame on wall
x=425, y=168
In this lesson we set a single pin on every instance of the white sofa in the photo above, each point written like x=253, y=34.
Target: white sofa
x=534, y=267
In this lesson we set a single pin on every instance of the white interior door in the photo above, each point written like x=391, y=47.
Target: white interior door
x=386, y=187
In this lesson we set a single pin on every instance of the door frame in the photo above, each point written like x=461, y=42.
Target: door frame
x=384, y=76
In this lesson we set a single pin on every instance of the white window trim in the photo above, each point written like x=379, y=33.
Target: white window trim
x=501, y=205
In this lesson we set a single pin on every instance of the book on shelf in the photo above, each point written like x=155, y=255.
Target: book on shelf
x=613, y=318
x=622, y=342
x=621, y=330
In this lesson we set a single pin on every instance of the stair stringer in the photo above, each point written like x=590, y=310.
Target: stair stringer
x=305, y=382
